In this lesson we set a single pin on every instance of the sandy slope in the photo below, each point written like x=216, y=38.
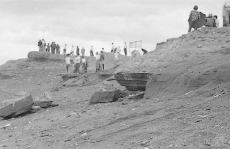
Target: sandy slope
x=186, y=106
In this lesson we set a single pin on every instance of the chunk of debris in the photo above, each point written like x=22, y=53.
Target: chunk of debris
x=68, y=76
x=44, y=104
x=17, y=108
x=106, y=96
x=133, y=81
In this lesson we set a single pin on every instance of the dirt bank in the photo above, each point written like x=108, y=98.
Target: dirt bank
x=186, y=103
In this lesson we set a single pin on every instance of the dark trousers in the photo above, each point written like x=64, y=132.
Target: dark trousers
x=76, y=68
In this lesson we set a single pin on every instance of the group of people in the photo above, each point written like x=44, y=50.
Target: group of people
x=52, y=47
x=80, y=62
x=117, y=50
x=77, y=62
x=210, y=21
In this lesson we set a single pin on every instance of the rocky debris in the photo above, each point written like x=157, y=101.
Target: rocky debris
x=107, y=96
x=19, y=107
x=136, y=95
x=44, y=56
x=44, y=104
x=68, y=76
x=81, y=80
x=133, y=81
x=24, y=105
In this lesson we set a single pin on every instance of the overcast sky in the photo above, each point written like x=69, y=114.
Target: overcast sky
x=93, y=22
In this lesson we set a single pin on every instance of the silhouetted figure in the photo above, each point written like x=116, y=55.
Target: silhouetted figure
x=53, y=47
x=77, y=51
x=102, y=63
x=91, y=51
x=125, y=49
x=48, y=48
x=68, y=62
x=64, y=49
x=83, y=51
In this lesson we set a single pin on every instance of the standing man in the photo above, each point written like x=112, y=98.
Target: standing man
x=97, y=62
x=84, y=64
x=77, y=51
x=216, y=21
x=52, y=47
x=67, y=61
x=113, y=48
x=64, y=49
x=40, y=45
x=91, y=51
x=82, y=51
x=102, y=58
x=43, y=45
x=193, y=16
x=77, y=64
x=125, y=49
x=48, y=48
x=58, y=49
x=55, y=48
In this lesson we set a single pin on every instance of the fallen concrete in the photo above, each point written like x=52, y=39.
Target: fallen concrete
x=133, y=81
x=19, y=107
x=106, y=96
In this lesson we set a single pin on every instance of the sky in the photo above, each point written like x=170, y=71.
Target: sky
x=93, y=22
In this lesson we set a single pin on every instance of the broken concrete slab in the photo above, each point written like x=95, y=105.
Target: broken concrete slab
x=68, y=76
x=17, y=108
x=106, y=96
x=44, y=104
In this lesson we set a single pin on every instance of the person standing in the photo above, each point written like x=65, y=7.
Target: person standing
x=84, y=64
x=53, y=48
x=77, y=64
x=210, y=21
x=125, y=49
x=43, y=49
x=68, y=63
x=216, y=21
x=48, y=48
x=72, y=50
x=97, y=62
x=91, y=51
x=40, y=45
x=77, y=51
x=102, y=58
x=82, y=51
x=58, y=49
x=64, y=49
x=113, y=48
x=193, y=16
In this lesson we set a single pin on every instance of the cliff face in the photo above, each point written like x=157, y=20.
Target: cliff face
x=187, y=63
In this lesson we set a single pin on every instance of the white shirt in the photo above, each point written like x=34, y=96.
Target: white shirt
x=97, y=57
x=83, y=60
x=67, y=60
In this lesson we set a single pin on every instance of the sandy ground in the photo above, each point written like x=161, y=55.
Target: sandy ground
x=195, y=118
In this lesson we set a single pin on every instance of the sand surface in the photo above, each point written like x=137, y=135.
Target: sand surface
x=186, y=105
